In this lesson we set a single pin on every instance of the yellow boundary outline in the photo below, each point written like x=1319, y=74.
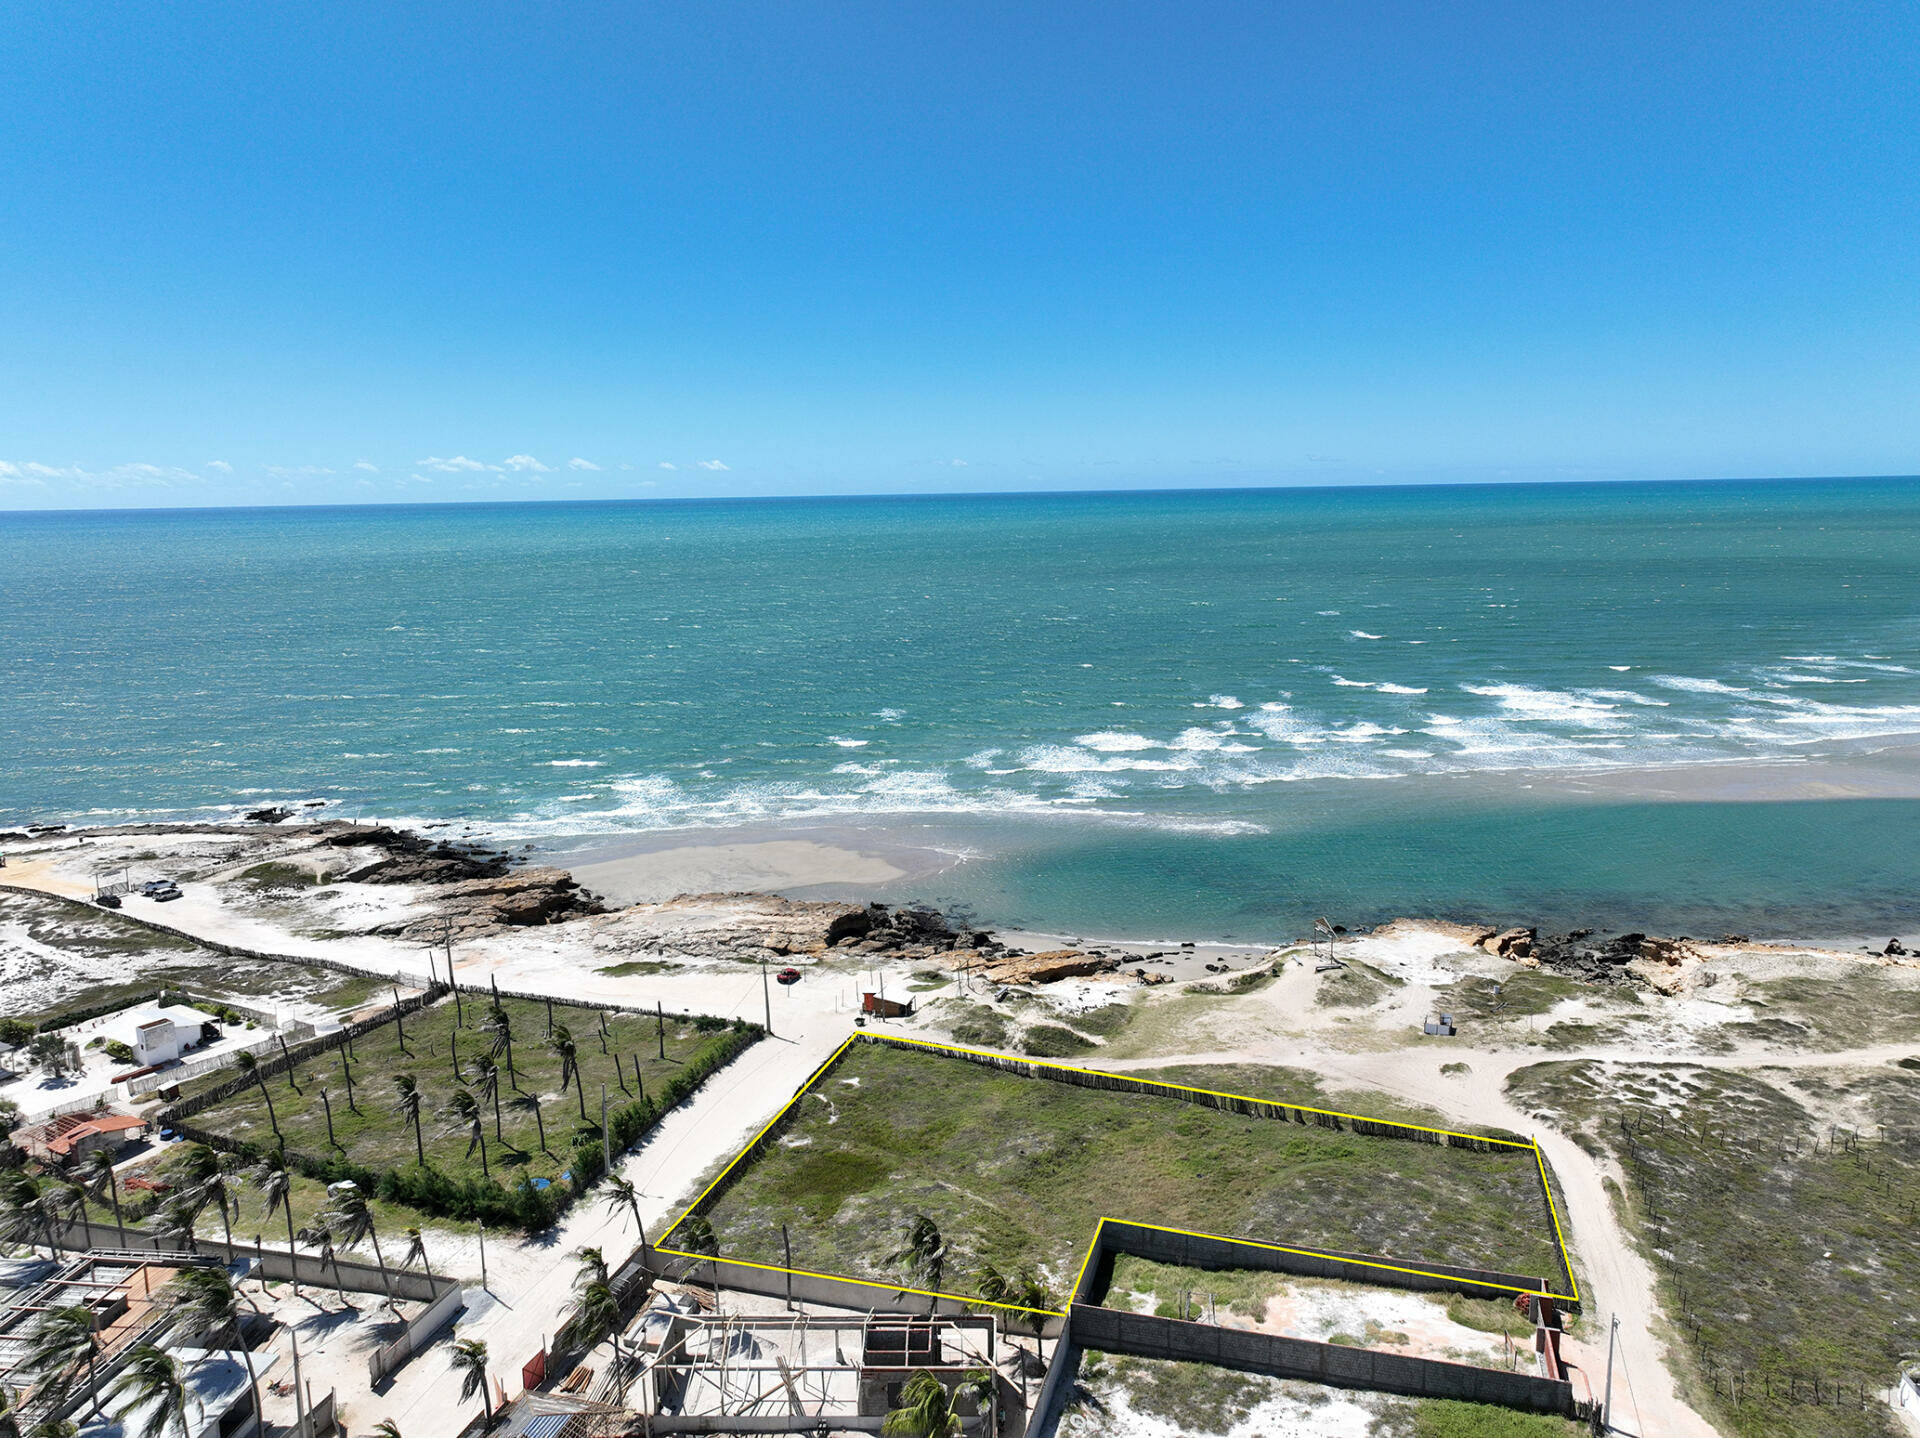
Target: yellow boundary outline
x=1546, y=1188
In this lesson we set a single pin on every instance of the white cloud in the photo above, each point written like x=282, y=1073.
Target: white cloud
x=11, y=473
x=578, y=463
x=220, y=465
x=713, y=464
x=456, y=465
x=958, y=463
x=416, y=479
x=668, y=464
x=296, y=471
x=160, y=474
x=366, y=466
x=518, y=462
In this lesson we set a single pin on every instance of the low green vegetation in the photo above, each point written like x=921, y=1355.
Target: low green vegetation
x=1014, y=1172
x=1848, y=1009
x=466, y=1118
x=1785, y=1242
x=1516, y=995
x=1449, y=1418
x=1053, y=1041
x=974, y=1025
x=636, y=968
x=1207, y=1402
x=1197, y=1396
x=1354, y=986
x=264, y=878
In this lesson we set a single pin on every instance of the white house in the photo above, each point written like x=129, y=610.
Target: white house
x=160, y=1034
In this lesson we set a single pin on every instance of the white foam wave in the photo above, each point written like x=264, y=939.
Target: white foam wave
x=848, y=743
x=575, y=763
x=1221, y=701
x=1116, y=741
x=1362, y=634
x=1535, y=705
x=1399, y=689
x=1695, y=686
x=1352, y=683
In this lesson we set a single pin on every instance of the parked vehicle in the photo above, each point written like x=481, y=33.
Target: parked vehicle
x=787, y=976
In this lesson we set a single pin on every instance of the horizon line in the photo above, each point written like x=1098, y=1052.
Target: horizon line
x=969, y=494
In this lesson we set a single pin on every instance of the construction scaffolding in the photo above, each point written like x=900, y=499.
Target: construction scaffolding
x=683, y=1363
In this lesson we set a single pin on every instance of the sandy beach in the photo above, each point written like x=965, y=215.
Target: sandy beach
x=649, y=869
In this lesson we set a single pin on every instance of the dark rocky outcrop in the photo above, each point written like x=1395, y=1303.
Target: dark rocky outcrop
x=411, y=859
x=273, y=814
x=521, y=899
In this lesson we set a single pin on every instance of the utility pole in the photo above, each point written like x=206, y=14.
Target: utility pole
x=606, y=1134
x=1606, y=1403
x=766, y=996
x=299, y=1390
x=483, y=1255
x=660, y=1021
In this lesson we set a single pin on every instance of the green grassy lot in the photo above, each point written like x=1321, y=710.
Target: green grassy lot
x=1781, y=1257
x=1016, y=1171
x=372, y=1134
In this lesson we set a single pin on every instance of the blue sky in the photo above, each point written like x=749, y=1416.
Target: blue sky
x=264, y=254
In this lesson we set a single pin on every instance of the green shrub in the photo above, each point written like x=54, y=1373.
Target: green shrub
x=120, y=1053
x=1051, y=1041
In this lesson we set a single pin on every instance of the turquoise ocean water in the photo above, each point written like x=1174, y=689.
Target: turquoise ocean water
x=1198, y=713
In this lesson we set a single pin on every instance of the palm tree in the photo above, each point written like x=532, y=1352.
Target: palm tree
x=150, y=1379
x=67, y=1202
x=319, y=1238
x=596, y=1312
x=202, y=1180
x=469, y=1359
x=349, y=1218
x=385, y=1428
x=250, y=1066
x=218, y=1189
x=924, y=1253
x=52, y=1427
x=463, y=1113
x=530, y=1103
x=498, y=1026
x=1030, y=1293
x=9, y=1412
x=568, y=1052
x=61, y=1343
x=925, y=1411
x=622, y=1194
x=270, y=1176
x=487, y=1081
x=696, y=1235
x=30, y=1209
x=205, y=1304
x=409, y=1109
x=592, y=1267
x=416, y=1249
x=98, y=1167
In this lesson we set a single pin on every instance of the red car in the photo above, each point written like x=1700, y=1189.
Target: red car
x=787, y=976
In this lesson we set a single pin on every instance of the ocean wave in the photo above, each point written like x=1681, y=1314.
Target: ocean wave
x=575, y=763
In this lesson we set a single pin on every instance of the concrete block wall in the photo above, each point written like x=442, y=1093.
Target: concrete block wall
x=1142, y=1335
x=1190, y=1250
